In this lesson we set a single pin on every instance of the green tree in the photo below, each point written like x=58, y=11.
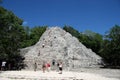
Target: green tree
x=71, y=30
x=36, y=33
x=11, y=34
x=91, y=40
x=111, y=48
x=32, y=35
x=26, y=38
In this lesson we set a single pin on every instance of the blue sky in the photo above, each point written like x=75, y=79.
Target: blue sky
x=95, y=15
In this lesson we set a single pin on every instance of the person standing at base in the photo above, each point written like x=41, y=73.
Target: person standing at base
x=35, y=66
x=53, y=62
x=44, y=67
x=60, y=67
x=3, y=67
x=48, y=66
x=57, y=69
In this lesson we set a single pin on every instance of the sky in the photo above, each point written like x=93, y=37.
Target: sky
x=95, y=15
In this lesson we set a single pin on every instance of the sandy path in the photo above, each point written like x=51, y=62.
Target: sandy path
x=52, y=75
x=110, y=73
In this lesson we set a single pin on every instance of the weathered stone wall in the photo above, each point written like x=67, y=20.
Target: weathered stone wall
x=58, y=44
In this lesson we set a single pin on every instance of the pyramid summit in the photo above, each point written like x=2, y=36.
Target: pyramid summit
x=59, y=45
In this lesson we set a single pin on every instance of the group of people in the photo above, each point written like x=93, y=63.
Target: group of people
x=47, y=66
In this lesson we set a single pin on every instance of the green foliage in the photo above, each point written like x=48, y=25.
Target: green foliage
x=88, y=38
x=91, y=40
x=32, y=35
x=111, y=48
x=36, y=33
x=14, y=36
x=71, y=30
x=11, y=33
x=26, y=38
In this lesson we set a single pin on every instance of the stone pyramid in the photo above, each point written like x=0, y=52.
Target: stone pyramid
x=59, y=45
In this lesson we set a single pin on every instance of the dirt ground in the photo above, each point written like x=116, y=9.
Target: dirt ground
x=81, y=74
x=110, y=73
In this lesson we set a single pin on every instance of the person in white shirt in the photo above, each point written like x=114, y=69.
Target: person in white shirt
x=3, y=65
x=60, y=67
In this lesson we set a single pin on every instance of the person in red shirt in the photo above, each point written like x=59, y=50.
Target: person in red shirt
x=48, y=66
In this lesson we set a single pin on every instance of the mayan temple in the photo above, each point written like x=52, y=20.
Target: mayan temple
x=59, y=45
